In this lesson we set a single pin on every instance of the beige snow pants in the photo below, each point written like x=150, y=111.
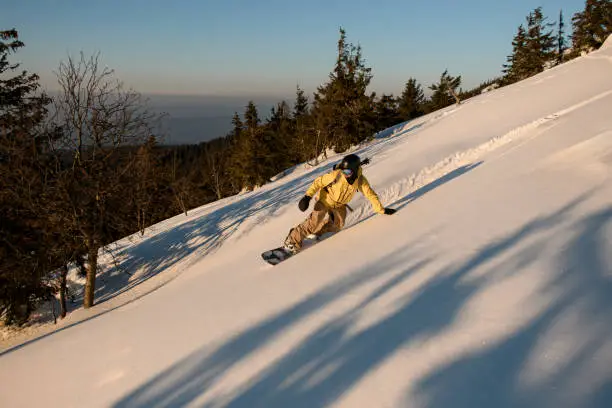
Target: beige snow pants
x=320, y=221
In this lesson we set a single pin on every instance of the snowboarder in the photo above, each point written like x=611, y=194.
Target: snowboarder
x=336, y=189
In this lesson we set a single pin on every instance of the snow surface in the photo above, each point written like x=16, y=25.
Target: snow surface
x=492, y=285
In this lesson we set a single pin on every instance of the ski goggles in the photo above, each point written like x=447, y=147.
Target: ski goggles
x=347, y=172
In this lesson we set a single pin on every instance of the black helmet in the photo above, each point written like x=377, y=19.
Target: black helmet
x=351, y=162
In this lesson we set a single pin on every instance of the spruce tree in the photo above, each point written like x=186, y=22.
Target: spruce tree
x=239, y=150
x=592, y=26
x=533, y=48
x=249, y=158
x=412, y=100
x=342, y=110
x=251, y=117
x=516, y=67
x=387, y=112
x=238, y=126
x=445, y=91
x=242, y=152
x=303, y=147
x=540, y=42
x=561, y=44
x=278, y=138
x=27, y=251
x=255, y=156
x=300, y=108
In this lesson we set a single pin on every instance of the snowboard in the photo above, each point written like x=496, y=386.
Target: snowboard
x=276, y=255
x=280, y=254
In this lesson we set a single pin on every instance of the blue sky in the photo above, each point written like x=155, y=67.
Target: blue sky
x=267, y=47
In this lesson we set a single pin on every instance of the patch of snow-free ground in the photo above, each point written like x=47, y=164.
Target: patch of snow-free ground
x=490, y=287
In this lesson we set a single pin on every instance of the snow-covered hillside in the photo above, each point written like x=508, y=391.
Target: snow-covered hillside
x=490, y=287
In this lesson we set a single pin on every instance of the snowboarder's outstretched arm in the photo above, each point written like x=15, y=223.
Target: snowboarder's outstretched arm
x=370, y=194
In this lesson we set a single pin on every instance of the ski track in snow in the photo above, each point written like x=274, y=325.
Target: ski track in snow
x=460, y=160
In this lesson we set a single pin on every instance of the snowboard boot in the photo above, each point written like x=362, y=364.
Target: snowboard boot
x=290, y=247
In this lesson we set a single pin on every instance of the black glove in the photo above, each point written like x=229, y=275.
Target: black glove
x=304, y=202
x=389, y=211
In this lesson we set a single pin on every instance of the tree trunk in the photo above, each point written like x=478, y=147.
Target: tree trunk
x=62, y=291
x=454, y=94
x=90, y=283
x=181, y=203
x=218, y=187
x=141, y=218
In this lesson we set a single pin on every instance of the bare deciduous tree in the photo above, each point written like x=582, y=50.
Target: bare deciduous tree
x=213, y=159
x=101, y=123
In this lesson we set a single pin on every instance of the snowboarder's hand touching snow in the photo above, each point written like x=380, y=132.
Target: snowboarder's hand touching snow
x=389, y=211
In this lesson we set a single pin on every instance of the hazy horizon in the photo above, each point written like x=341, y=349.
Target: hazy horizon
x=199, y=118
x=191, y=119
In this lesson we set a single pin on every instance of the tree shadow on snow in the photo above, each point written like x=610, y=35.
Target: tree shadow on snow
x=582, y=376
x=201, y=235
x=188, y=242
x=335, y=356
x=186, y=380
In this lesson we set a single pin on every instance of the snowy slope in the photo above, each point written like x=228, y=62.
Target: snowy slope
x=492, y=286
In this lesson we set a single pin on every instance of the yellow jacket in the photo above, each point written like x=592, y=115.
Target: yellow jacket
x=339, y=192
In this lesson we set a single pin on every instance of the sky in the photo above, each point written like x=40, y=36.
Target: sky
x=268, y=47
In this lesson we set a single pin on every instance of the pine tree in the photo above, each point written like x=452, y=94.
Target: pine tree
x=241, y=155
x=300, y=108
x=27, y=252
x=540, y=42
x=304, y=147
x=238, y=126
x=238, y=148
x=533, y=48
x=251, y=117
x=248, y=150
x=412, y=101
x=561, y=45
x=516, y=67
x=445, y=91
x=342, y=111
x=387, y=112
x=277, y=139
x=592, y=26
x=255, y=156
x=21, y=109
